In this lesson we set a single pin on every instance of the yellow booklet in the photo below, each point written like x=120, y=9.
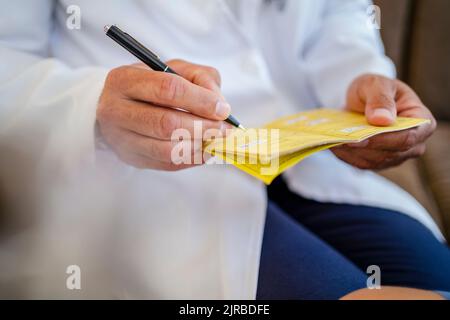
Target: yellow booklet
x=267, y=152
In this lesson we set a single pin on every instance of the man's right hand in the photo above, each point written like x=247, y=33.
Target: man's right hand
x=138, y=111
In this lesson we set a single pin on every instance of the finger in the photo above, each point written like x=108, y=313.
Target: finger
x=351, y=158
x=368, y=159
x=378, y=159
x=375, y=96
x=173, y=152
x=204, y=76
x=174, y=91
x=381, y=108
x=397, y=141
x=140, y=162
x=157, y=122
x=409, y=105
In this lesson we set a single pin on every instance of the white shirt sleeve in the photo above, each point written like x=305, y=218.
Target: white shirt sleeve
x=46, y=107
x=346, y=46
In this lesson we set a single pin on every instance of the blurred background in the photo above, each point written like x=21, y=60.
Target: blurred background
x=416, y=34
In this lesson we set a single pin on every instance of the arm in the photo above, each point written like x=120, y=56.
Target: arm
x=47, y=109
x=50, y=110
x=360, y=77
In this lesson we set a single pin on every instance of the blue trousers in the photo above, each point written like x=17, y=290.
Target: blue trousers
x=315, y=250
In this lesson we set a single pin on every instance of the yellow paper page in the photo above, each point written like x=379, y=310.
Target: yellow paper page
x=267, y=144
x=265, y=153
x=268, y=172
x=303, y=131
x=339, y=124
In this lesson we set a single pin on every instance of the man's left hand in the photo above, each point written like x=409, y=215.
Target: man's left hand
x=382, y=99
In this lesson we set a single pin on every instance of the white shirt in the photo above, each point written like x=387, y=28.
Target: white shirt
x=149, y=234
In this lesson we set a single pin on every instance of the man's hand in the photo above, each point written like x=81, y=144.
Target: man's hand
x=382, y=100
x=138, y=111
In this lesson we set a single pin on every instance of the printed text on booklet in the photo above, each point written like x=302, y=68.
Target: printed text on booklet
x=267, y=152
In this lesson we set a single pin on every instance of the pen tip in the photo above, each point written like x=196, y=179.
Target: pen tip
x=242, y=127
x=106, y=28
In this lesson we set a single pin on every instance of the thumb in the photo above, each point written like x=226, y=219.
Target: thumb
x=381, y=107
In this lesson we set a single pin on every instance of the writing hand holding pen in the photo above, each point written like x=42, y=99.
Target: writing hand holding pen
x=139, y=110
x=149, y=58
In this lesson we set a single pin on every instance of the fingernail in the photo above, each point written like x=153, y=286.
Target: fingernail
x=361, y=144
x=223, y=109
x=383, y=113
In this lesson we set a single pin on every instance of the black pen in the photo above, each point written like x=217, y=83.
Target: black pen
x=149, y=58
